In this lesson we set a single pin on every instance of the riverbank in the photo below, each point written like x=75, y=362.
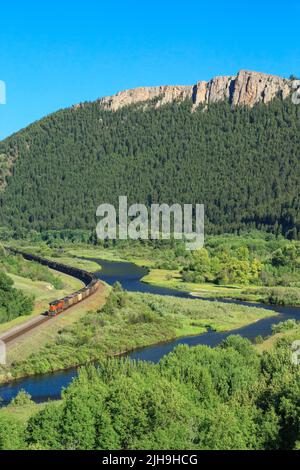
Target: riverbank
x=270, y=343
x=126, y=322
x=63, y=256
x=172, y=279
x=221, y=388
x=274, y=260
x=21, y=413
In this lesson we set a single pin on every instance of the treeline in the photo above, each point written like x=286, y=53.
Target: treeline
x=227, y=398
x=245, y=260
x=253, y=257
x=242, y=163
x=13, y=302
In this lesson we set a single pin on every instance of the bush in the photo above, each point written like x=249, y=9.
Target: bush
x=285, y=326
x=12, y=434
x=258, y=339
x=22, y=399
x=13, y=303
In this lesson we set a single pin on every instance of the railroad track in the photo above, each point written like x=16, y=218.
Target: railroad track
x=20, y=330
x=91, y=286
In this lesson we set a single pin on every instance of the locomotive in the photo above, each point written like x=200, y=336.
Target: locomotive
x=58, y=306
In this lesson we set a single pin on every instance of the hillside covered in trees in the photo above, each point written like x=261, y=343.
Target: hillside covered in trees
x=242, y=163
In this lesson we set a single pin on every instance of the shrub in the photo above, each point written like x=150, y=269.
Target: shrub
x=22, y=399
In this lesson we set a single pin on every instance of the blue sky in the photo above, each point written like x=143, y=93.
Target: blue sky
x=54, y=54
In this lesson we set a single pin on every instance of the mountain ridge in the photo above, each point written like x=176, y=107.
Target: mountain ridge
x=246, y=88
x=242, y=162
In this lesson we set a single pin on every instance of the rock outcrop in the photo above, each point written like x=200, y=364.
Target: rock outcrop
x=245, y=89
x=165, y=94
x=252, y=87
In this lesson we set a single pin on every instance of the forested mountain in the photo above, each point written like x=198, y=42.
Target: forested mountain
x=242, y=162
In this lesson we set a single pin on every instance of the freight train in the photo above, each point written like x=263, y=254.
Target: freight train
x=58, y=306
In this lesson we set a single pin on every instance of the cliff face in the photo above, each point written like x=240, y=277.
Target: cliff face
x=244, y=89
x=166, y=94
x=251, y=88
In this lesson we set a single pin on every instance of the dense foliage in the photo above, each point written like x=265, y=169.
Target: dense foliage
x=257, y=259
x=253, y=257
x=13, y=303
x=199, y=398
x=128, y=321
x=243, y=164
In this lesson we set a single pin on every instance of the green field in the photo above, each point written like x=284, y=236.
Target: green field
x=113, y=255
x=277, y=295
x=173, y=280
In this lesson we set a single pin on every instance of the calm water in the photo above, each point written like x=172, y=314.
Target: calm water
x=49, y=386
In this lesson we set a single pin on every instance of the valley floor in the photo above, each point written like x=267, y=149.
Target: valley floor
x=172, y=278
x=113, y=321
x=125, y=332
x=126, y=321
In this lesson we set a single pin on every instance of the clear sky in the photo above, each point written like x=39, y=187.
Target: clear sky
x=57, y=53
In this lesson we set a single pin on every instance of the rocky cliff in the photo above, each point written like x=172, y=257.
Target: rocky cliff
x=246, y=88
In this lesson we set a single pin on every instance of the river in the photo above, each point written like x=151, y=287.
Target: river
x=49, y=386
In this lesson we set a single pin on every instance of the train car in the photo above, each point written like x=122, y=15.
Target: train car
x=57, y=306
x=52, y=310
x=72, y=299
x=85, y=293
